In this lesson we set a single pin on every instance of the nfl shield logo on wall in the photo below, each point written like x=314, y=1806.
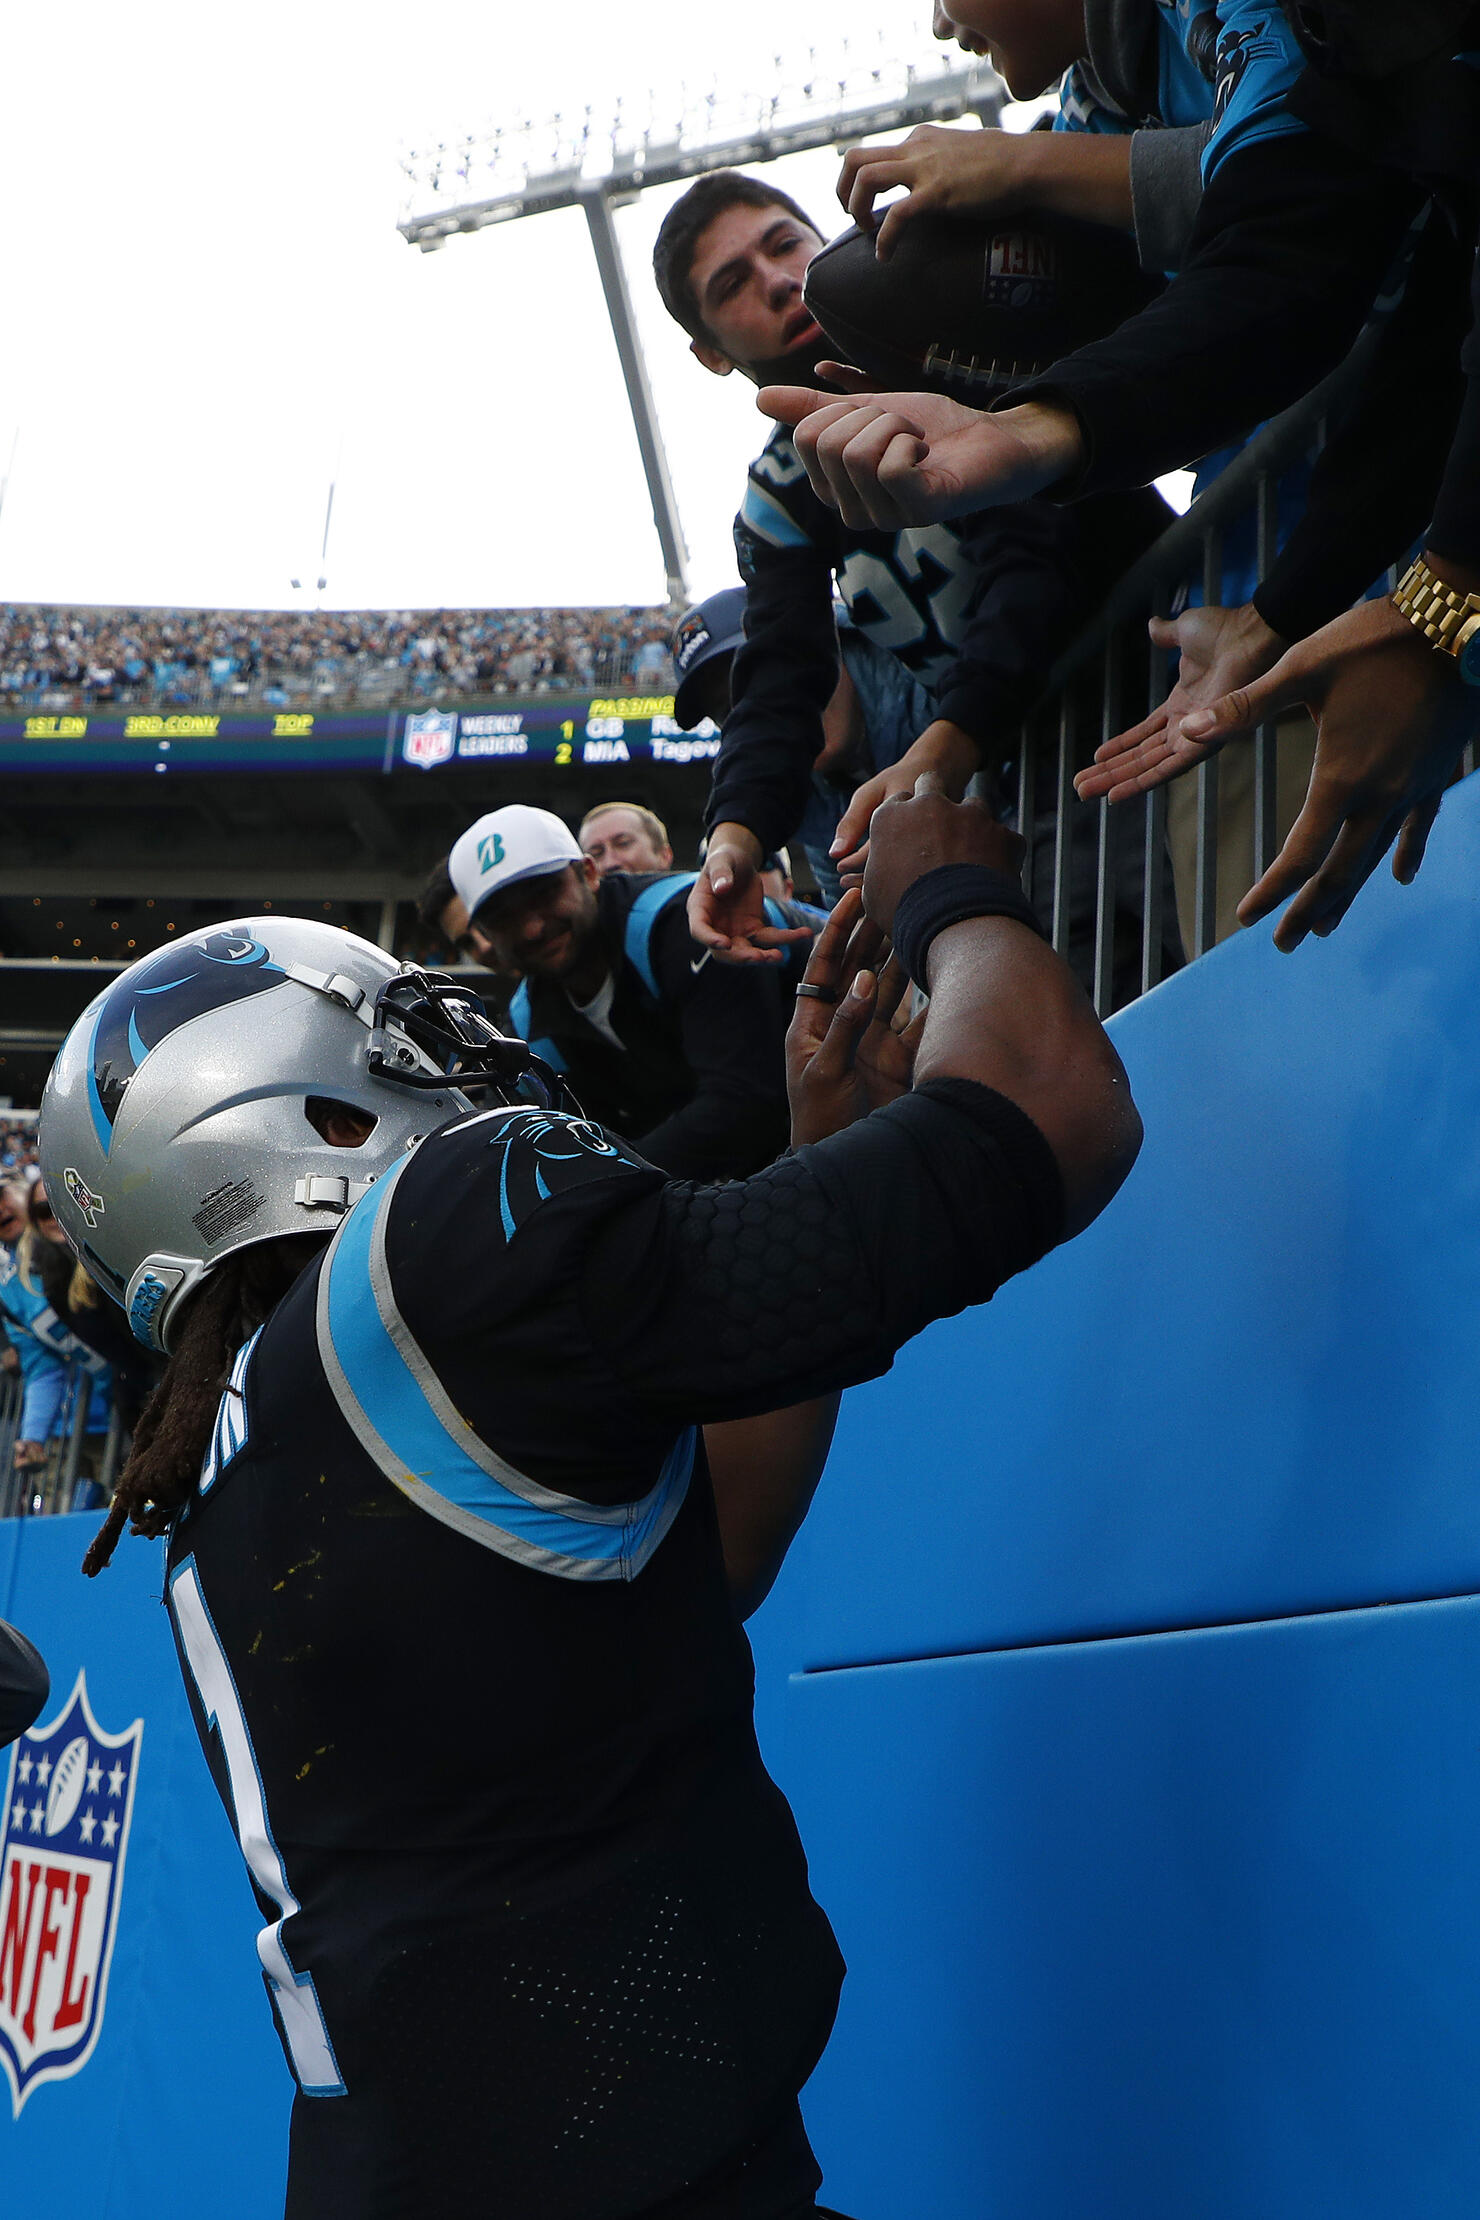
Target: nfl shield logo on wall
x=63, y=1834
x=430, y=738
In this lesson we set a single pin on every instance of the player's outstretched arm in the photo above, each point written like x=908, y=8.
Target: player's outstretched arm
x=809, y=1276
x=1005, y=1011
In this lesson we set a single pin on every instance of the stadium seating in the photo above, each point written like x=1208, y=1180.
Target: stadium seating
x=77, y=658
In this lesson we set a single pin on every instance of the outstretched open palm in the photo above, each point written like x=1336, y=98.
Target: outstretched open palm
x=851, y=1047
x=1221, y=649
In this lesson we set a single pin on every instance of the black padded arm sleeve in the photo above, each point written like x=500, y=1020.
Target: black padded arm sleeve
x=808, y=1277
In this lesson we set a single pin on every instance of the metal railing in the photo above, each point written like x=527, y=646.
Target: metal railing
x=76, y=1470
x=1105, y=877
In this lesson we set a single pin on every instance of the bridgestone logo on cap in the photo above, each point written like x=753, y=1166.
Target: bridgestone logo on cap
x=491, y=852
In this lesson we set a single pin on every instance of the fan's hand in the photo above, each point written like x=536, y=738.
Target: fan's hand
x=1221, y=649
x=942, y=748
x=727, y=903
x=1392, y=721
x=987, y=173
x=888, y=460
x=945, y=173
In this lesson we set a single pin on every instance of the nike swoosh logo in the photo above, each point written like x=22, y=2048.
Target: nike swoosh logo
x=696, y=968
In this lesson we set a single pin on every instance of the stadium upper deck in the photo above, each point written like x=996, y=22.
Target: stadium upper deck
x=68, y=658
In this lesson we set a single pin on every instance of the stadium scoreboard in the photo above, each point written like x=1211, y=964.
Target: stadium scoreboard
x=559, y=730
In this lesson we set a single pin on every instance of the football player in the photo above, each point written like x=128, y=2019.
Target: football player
x=466, y=1502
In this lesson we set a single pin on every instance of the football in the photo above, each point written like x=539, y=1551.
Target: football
x=65, y=1792
x=970, y=307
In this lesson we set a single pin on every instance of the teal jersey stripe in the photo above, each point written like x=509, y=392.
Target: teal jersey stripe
x=390, y=1412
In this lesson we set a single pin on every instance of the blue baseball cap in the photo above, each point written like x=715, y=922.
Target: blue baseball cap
x=710, y=629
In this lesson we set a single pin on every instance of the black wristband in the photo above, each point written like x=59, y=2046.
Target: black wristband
x=949, y=895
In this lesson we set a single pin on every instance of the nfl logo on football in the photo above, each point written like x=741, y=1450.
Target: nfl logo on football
x=429, y=739
x=63, y=1835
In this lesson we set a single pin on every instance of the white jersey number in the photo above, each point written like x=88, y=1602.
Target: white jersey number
x=929, y=558
x=297, y=2001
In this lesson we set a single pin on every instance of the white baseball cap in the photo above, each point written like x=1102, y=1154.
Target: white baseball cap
x=508, y=845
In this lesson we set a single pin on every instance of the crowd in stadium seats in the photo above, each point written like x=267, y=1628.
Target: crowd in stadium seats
x=17, y=1148
x=61, y=658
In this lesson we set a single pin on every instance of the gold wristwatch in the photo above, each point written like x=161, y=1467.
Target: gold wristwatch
x=1448, y=619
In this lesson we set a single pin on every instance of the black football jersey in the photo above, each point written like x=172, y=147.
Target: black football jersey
x=452, y=1613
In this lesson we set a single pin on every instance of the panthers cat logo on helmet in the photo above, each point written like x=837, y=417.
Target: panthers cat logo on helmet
x=156, y=997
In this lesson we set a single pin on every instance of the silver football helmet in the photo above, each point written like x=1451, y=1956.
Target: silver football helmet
x=175, y=1127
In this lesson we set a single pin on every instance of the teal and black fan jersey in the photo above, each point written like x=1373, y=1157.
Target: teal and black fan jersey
x=975, y=610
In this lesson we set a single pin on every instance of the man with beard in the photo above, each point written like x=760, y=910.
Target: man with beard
x=681, y=1057
x=975, y=608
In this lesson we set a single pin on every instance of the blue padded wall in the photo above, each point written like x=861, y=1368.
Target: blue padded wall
x=1251, y=1388
x=1178, y=1927
x=182, y=2109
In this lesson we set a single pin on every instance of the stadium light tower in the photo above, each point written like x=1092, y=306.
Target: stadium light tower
x=603, y=159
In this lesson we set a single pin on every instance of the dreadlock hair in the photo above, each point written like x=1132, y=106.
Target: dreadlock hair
x=174, y=1428
x=688, y=218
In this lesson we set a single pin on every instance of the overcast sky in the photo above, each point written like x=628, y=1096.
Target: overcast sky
x=211, y=306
